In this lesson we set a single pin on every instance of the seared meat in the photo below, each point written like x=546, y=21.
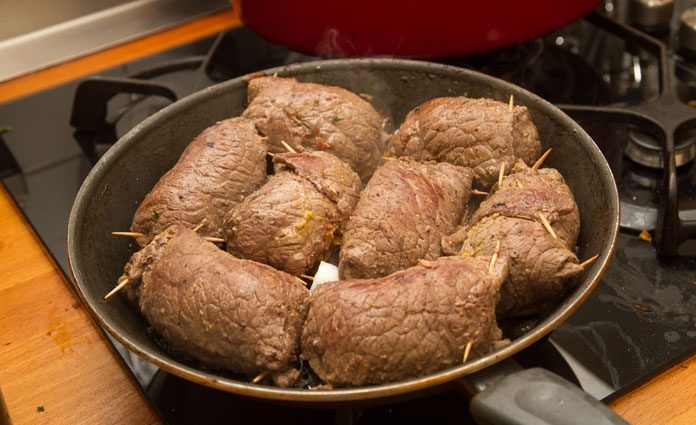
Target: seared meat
x=290, y=223
x=228, y=313
x=476, y=133
x=527, y=192
x=311, y=116
x=401, y=217
x=332, y=177
x=540, y=265
x=407, y=324
x=142, y=261
x=217, y=170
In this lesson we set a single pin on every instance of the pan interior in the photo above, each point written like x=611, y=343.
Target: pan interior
x=121, y=179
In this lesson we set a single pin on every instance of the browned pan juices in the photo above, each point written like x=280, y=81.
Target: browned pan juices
x=395, y=87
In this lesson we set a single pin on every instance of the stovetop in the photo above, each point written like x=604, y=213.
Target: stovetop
x=639, y=320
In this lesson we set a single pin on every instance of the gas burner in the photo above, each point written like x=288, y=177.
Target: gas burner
x=687, y=32
x=551, y=68
x=666, y=118
x=644, y=149
x=651, y=15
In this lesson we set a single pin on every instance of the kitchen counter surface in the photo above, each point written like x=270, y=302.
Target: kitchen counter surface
x=55, y=365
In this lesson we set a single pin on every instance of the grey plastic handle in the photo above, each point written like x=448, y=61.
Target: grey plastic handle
x=537, y=396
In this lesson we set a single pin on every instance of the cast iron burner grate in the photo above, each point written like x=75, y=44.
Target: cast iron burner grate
x=95, y=130
x=665, y=119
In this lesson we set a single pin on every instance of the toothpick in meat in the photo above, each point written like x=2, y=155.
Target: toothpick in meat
x=287, y=147
x=142, y=235
x=547, y=225
x=589, y=261
x=308, y=277
x=541, y=159
x=511, y=105
x=122, y=282
x=129, y=234
x=260, y=377
x=467, y=350
x=479, y=192
x=305, y=284
x=425, y=263
x=494, y=257
x=501, y=173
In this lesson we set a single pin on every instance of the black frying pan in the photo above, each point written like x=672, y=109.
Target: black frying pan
x=126, y=173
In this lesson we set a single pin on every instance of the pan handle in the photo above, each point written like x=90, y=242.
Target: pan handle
x=506, y=394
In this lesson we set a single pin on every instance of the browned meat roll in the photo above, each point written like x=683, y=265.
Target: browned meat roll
x=541, y=265
x=228, y=313
x=291, y=222
x=217, y=170
x=527, y=192
x=408, y=324
x=401, y=217
x=311, y=116
x=476, y=133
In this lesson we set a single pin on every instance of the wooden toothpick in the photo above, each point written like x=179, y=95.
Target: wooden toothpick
x=547, y=225
x=287, y=147
x=589, y=261
x=122, y=282
x=494, y=257
x=467, y=350
x=260, y=377
x=129, y=234
x=541, y=159
x=501, y=173
x=142, y=235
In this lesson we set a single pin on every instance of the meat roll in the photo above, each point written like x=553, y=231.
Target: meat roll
x=228, y=313
x=541, y=265
x=311, y=116
x=291, y=222
x=527, y=192
x=408, y=324
x=476, y=133
x=217, y=170
x=401, y=217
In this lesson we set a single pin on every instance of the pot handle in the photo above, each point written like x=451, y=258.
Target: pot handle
x=532, y=396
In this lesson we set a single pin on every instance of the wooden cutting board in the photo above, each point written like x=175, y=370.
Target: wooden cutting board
x=55, y=366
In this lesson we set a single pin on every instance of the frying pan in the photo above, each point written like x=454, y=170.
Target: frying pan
x=126, y=173
x=407, y=28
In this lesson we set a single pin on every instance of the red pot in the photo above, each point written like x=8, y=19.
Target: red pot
x=407, y=28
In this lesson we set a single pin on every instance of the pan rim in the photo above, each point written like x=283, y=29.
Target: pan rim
x=588, y=280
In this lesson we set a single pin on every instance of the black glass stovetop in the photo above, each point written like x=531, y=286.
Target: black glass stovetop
x=640, y=319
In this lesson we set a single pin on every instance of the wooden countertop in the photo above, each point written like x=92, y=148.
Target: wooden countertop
x=56, y=367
